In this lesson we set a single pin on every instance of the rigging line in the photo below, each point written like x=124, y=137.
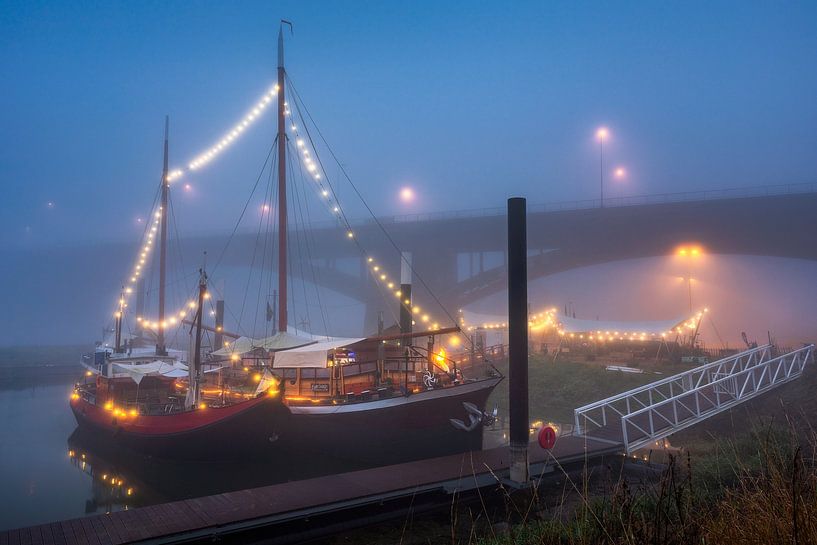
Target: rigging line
x=309, y=236
x=343, y=220
x=141, y=242
x=342, y=213
x=243, y=211
x=174, y=283
x=177, y=247
x=298, y=210
x=229, y=308
x=255, y=250
x=266, y=214
x=711, y=321
x=271, y=222
x=254, y=253
x=178, y=236
x=299, y=102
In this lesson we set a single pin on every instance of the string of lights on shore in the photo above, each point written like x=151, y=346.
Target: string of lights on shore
x=549, y=319
x=377, y=270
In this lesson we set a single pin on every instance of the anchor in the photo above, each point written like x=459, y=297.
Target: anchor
x=475, y=418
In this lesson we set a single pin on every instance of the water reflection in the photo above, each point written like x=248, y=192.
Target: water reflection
x=122, y=478
x=110, y=491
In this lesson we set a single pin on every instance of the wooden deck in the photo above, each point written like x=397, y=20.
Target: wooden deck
x=268, y=507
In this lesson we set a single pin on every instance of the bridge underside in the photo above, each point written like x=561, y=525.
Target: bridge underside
x=463, y=260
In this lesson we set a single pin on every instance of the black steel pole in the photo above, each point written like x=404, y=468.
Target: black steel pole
x=518, y=337
x=405, y=297
x=218, y=342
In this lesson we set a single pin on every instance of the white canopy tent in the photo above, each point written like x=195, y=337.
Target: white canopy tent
x=313, y=355
x=138, y=371
x=279, y=341
x=650, y=328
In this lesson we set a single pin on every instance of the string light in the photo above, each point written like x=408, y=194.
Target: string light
x=230, y=136
x=312, y=167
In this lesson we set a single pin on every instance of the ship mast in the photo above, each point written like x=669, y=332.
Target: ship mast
x=161, y=349
x=282, y=188
x=196, y=383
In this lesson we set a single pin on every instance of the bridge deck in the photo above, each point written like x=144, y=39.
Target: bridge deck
x=275, y=505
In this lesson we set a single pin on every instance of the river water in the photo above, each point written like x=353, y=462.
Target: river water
x=50, y=472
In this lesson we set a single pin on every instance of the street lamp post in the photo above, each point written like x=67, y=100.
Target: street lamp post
x=689, y=286
x=620, y=173
x=688, y=254
x=601, y=134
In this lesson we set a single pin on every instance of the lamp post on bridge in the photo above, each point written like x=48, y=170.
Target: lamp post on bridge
x=601, y=134
x=688, y=254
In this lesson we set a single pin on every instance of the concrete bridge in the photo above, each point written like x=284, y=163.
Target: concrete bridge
x=460, y=256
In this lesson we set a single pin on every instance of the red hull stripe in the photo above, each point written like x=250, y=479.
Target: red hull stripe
x=156, y=425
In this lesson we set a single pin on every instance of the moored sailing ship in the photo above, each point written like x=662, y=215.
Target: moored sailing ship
x=379, y=398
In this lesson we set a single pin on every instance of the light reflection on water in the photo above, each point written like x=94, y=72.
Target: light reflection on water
x=39, y=484
x=50, y=471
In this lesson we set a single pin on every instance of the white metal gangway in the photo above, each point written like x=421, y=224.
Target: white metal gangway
x=655, y=411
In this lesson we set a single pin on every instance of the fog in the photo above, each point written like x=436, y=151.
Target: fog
x=464, y=107
x=758, y=295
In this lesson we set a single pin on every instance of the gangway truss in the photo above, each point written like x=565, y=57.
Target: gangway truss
x=652, y=412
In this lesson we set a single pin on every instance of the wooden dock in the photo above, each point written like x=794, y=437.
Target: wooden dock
x=299, y=510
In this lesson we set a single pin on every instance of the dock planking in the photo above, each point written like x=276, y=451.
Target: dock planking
x=268, y=506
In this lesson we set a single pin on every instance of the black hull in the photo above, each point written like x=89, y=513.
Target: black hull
x=372, y=433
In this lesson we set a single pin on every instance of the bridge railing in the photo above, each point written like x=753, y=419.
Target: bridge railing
x=611, y=202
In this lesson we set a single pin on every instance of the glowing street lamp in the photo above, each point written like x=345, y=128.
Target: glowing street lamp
x=407, y=195
x=601, y=135
x=688, y=253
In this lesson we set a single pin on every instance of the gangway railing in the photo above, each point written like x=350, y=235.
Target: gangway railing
x=655, y=411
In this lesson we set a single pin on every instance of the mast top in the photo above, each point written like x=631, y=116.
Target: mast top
x=281, y=41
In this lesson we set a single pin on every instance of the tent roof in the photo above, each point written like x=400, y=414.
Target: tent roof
x=577, y=325
x=279, y=341
x=140, y=370
x=313, y=355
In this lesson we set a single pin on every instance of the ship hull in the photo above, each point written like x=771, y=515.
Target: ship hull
x=242, y=430
x=393, y=430
x=376, y=432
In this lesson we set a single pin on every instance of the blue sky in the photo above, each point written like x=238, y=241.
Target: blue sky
x=465, y=102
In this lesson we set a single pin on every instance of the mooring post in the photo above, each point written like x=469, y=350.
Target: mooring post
x=518, y=338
